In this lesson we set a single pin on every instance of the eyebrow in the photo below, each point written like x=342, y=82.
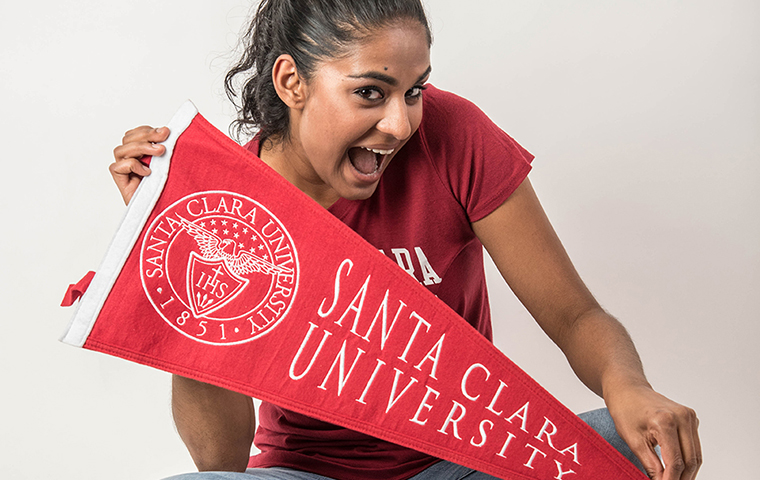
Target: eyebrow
x=382, y=77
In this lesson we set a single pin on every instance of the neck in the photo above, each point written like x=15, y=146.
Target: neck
x=278, y=155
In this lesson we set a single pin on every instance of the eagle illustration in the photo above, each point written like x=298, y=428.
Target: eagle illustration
x=238, y=262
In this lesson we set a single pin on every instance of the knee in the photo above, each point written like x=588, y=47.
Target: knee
x=601, y=421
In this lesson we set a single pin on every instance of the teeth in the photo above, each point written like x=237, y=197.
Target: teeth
x=381, y=152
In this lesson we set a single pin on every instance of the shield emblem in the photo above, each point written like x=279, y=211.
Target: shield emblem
x=210, y=284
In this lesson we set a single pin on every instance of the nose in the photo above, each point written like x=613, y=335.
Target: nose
x=395, y=121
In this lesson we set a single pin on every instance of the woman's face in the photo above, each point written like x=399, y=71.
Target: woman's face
x=359, y=109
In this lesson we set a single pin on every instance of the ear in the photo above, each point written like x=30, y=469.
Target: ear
x=289, y=85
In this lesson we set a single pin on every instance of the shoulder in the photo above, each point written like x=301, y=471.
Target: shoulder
x=454, y=126
x=475, y=159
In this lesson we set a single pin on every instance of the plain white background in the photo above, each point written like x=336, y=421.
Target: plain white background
x=644, y=117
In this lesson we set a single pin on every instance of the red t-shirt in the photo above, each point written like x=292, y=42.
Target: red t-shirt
x=456, y=169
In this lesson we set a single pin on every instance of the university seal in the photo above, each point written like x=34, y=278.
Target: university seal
x=219, y=268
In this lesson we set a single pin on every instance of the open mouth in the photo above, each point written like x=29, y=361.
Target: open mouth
x=367, y=161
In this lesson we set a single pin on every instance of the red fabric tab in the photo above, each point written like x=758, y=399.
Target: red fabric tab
x=240, y=280
x=76, y=290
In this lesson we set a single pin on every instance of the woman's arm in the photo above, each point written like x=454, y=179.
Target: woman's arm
x=530, y=257
x=217, y=425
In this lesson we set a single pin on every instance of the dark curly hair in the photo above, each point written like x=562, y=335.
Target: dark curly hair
x=307, y=30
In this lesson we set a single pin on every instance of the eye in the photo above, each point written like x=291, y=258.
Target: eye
x=370, y=93
x=415, y=93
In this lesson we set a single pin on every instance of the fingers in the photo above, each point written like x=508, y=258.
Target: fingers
x=650, y=460
x=127, y=175
x=676, y=434
x=137, y=150
x=146, y=133
x=128, y=169
x=141, y=141
x=670, y=446
x=691, y=449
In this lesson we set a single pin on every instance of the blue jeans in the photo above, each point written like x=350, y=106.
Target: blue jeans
x=599, y=420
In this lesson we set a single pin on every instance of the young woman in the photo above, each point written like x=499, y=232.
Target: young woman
x=336, y=90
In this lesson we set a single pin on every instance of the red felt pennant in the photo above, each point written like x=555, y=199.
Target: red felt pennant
x=224, y=272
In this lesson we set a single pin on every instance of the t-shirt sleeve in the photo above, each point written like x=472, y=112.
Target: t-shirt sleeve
x=473, y=157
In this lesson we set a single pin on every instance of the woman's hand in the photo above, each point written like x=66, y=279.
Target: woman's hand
x=127, y=170
x=644, y=419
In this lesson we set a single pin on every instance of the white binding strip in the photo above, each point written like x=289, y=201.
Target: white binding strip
x=138, y=211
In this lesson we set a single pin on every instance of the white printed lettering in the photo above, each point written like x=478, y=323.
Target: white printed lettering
x=312, y=327
x=536, y=451
x=560, y=473
x=506, y=444
x=356, y=305
x=432, y=357
x=404, y=260
x=466, y=376
x=549, y=429
x=522, y=414
x=380, y=363
x=423, y=404
x=340, y=360
x=336, y=293
x=420, y=321
x=451, y=420
x=393, y=399
x=429, y=277
x=482, y=433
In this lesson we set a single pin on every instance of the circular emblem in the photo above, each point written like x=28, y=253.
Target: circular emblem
x=219, y=267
